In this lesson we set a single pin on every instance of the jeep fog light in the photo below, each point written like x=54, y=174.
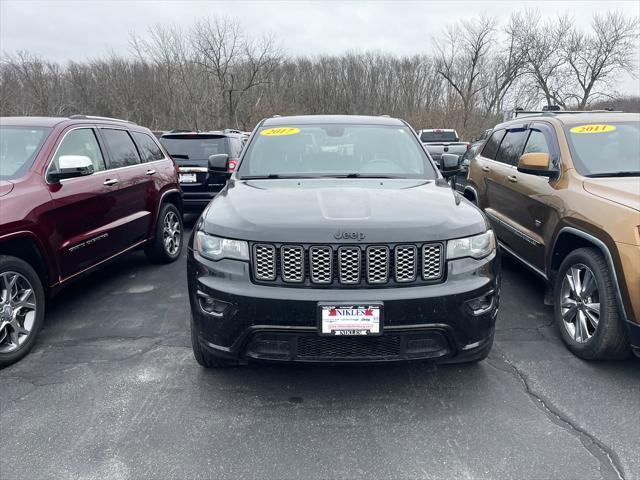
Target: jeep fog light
x=481, y=305
x=478, y=246
x=217, y=248
x=211, y=306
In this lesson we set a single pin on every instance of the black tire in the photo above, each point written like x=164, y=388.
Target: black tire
x=203, y=357
x=609, y=340
x=158, y=251
x=13, y=264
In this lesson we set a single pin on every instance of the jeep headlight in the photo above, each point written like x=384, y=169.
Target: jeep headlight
x=217, y=248
x=478, y=246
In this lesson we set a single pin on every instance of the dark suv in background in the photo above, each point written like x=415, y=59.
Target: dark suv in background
x=191, y=151
x=75, y=193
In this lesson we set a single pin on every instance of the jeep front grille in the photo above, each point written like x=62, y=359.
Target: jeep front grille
x=350, y=265
x=264, y=262
x=377, y=264
x=406, y=263
x=321, y=264
x=292, y=261
x=431, y=261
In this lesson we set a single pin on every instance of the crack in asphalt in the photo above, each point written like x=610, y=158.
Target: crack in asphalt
x=610, y=467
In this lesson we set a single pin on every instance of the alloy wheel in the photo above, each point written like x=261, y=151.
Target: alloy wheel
x=580, y=303
x=17, y=310
x=172, y=233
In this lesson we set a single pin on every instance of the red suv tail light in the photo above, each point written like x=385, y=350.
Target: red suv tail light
x=233, y=163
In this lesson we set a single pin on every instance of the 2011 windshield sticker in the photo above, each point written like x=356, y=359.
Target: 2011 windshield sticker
x=593, y=129
x=279, y=132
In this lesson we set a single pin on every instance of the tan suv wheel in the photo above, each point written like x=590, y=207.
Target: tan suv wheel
x=585, y=307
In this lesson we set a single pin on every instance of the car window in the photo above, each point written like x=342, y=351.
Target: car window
x=438, y=136
x=149, y=149
x=604, y=150
x=83, y=142
x=491, y=147
x=536, y=143
x=336, y=150
x=194, y=147
x=511, y=147
x=122, y=150
x=18, y=148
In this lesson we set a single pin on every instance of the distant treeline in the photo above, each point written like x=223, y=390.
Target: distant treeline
x=215, y=75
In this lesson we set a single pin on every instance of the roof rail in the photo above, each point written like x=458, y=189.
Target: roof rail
x=553, y=113
x=93, y=117
x=231, y=130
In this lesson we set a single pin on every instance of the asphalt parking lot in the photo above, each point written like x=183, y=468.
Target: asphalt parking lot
x=111, y=390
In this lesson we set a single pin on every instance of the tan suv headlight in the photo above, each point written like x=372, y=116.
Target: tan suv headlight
x=217, y=248
x=478, y=246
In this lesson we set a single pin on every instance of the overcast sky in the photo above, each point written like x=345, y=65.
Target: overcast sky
x=81, y=29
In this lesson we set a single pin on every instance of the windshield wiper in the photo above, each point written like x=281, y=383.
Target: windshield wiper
x=338, y=175
x=364, y=175
x=275, y=176
x=620, y=173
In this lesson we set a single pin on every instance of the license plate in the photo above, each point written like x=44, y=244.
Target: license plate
x=187, y=178
x=353, y=320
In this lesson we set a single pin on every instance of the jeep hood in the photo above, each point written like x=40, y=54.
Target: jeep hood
x=317, y=210
x=623, y=190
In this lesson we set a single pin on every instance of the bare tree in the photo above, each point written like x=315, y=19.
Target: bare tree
x=593, y=57
x=541, y=45
x=236, y=62
x=213, y=75
x=462, y=56
x=504, y=67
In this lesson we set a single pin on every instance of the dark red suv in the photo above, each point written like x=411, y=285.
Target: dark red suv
x=75, y=193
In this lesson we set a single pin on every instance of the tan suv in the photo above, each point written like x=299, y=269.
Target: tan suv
x=562, y=191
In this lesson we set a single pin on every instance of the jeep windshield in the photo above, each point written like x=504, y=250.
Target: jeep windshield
x=18, y=147
x=337, y=151
x=605, y=150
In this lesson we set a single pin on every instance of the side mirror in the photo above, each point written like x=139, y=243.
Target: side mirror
x=219, y=163
x=536, y=164
x=71, y=166
x=449, y=164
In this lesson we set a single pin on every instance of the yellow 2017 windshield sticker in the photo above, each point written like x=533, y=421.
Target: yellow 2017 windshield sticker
x=593, y=129
x=279, y=132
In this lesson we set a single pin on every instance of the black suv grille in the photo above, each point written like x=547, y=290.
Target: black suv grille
x=349, y=347
x=349, y=265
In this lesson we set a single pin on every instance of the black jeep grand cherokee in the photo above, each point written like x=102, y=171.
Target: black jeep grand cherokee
x=337, y=240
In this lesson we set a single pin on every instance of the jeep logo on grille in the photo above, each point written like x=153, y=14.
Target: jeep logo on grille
x=340, y=235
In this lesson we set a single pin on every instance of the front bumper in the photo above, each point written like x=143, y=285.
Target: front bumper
x=276, y=323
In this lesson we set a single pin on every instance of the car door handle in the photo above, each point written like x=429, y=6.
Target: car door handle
x=151, y=172
x=485, y=169
x=512, y=179
x=111, y=182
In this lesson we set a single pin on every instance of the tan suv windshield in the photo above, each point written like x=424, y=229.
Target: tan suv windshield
x=605, y=150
